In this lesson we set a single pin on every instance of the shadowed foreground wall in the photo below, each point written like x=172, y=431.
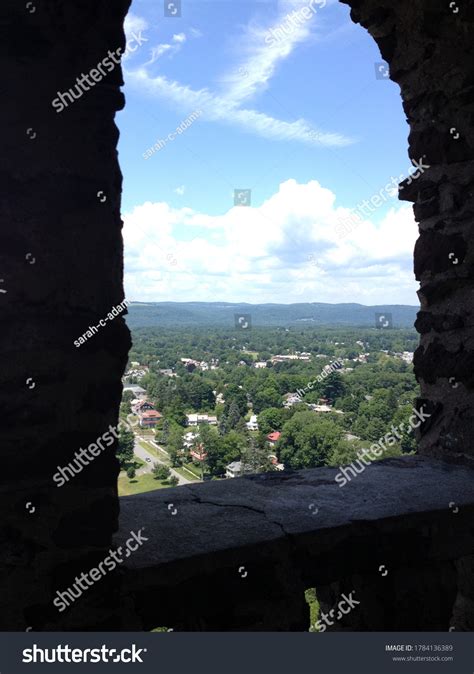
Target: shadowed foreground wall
x=61, y=267
x=61, y=261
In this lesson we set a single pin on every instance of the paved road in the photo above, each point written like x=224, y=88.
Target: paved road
x=144, y=454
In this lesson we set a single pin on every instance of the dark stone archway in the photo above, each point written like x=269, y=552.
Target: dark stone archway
x=428, y=46
x=56, y=169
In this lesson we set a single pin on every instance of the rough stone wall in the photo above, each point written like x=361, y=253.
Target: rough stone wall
x=428, y=45
x=61, y=264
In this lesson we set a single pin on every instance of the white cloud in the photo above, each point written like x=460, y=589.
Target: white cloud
x=217, y=108
x=180, y=190
x=164, y=48
x=285, y=250
x=158, y=51
x=251, y=74
x=134, y=24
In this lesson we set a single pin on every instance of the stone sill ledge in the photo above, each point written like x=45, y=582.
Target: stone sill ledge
x=239, y=521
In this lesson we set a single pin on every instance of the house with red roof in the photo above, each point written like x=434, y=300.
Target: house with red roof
x=198, y=452
x=273, y=437
x=149, y=418
x=142, y=406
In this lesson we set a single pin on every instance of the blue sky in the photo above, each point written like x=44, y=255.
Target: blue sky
x=282, y=98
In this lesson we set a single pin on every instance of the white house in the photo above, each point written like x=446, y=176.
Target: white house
x=320, y=408
x=252, y=425
x=281, y=358
x=137, y=391
x=189, y=438
x=234, y=469
x=137, y=373
x=196, y=419
x=291, y=399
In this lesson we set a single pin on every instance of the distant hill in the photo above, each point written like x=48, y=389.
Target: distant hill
x=221, y=314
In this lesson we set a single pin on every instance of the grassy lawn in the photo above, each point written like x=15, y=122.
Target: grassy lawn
x=254, y=354
x=161, y=454
x=139, y=484
x=136, y=463
x=187, y=474
x=153, y=450
x=147, y=433
x=312, y=600
x=360, y=444
x=195, y=471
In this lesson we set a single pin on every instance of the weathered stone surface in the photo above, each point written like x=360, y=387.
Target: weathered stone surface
x=302, y=525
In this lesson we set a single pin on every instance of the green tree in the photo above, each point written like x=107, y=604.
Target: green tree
x=333, y=387
x=127, y=396
x=160, y=471
x=173, y=481
x=408, y=440
x=176, y=412
x=255, y=458
x=212, y=444
x=131, y=472
x=233, y=415
x=307, y=440
x=266, y=397
x=126, y=443
x=343, y=453
x=175, y=444
x=223, y=425
x=163, y=435
x=236, y=395
x=197, y=392
x=231, y=447
x=271, y=419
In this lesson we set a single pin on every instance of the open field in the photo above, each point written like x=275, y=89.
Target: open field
x=139, y=484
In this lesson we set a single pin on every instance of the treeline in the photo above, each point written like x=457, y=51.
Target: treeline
x=169, y=345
